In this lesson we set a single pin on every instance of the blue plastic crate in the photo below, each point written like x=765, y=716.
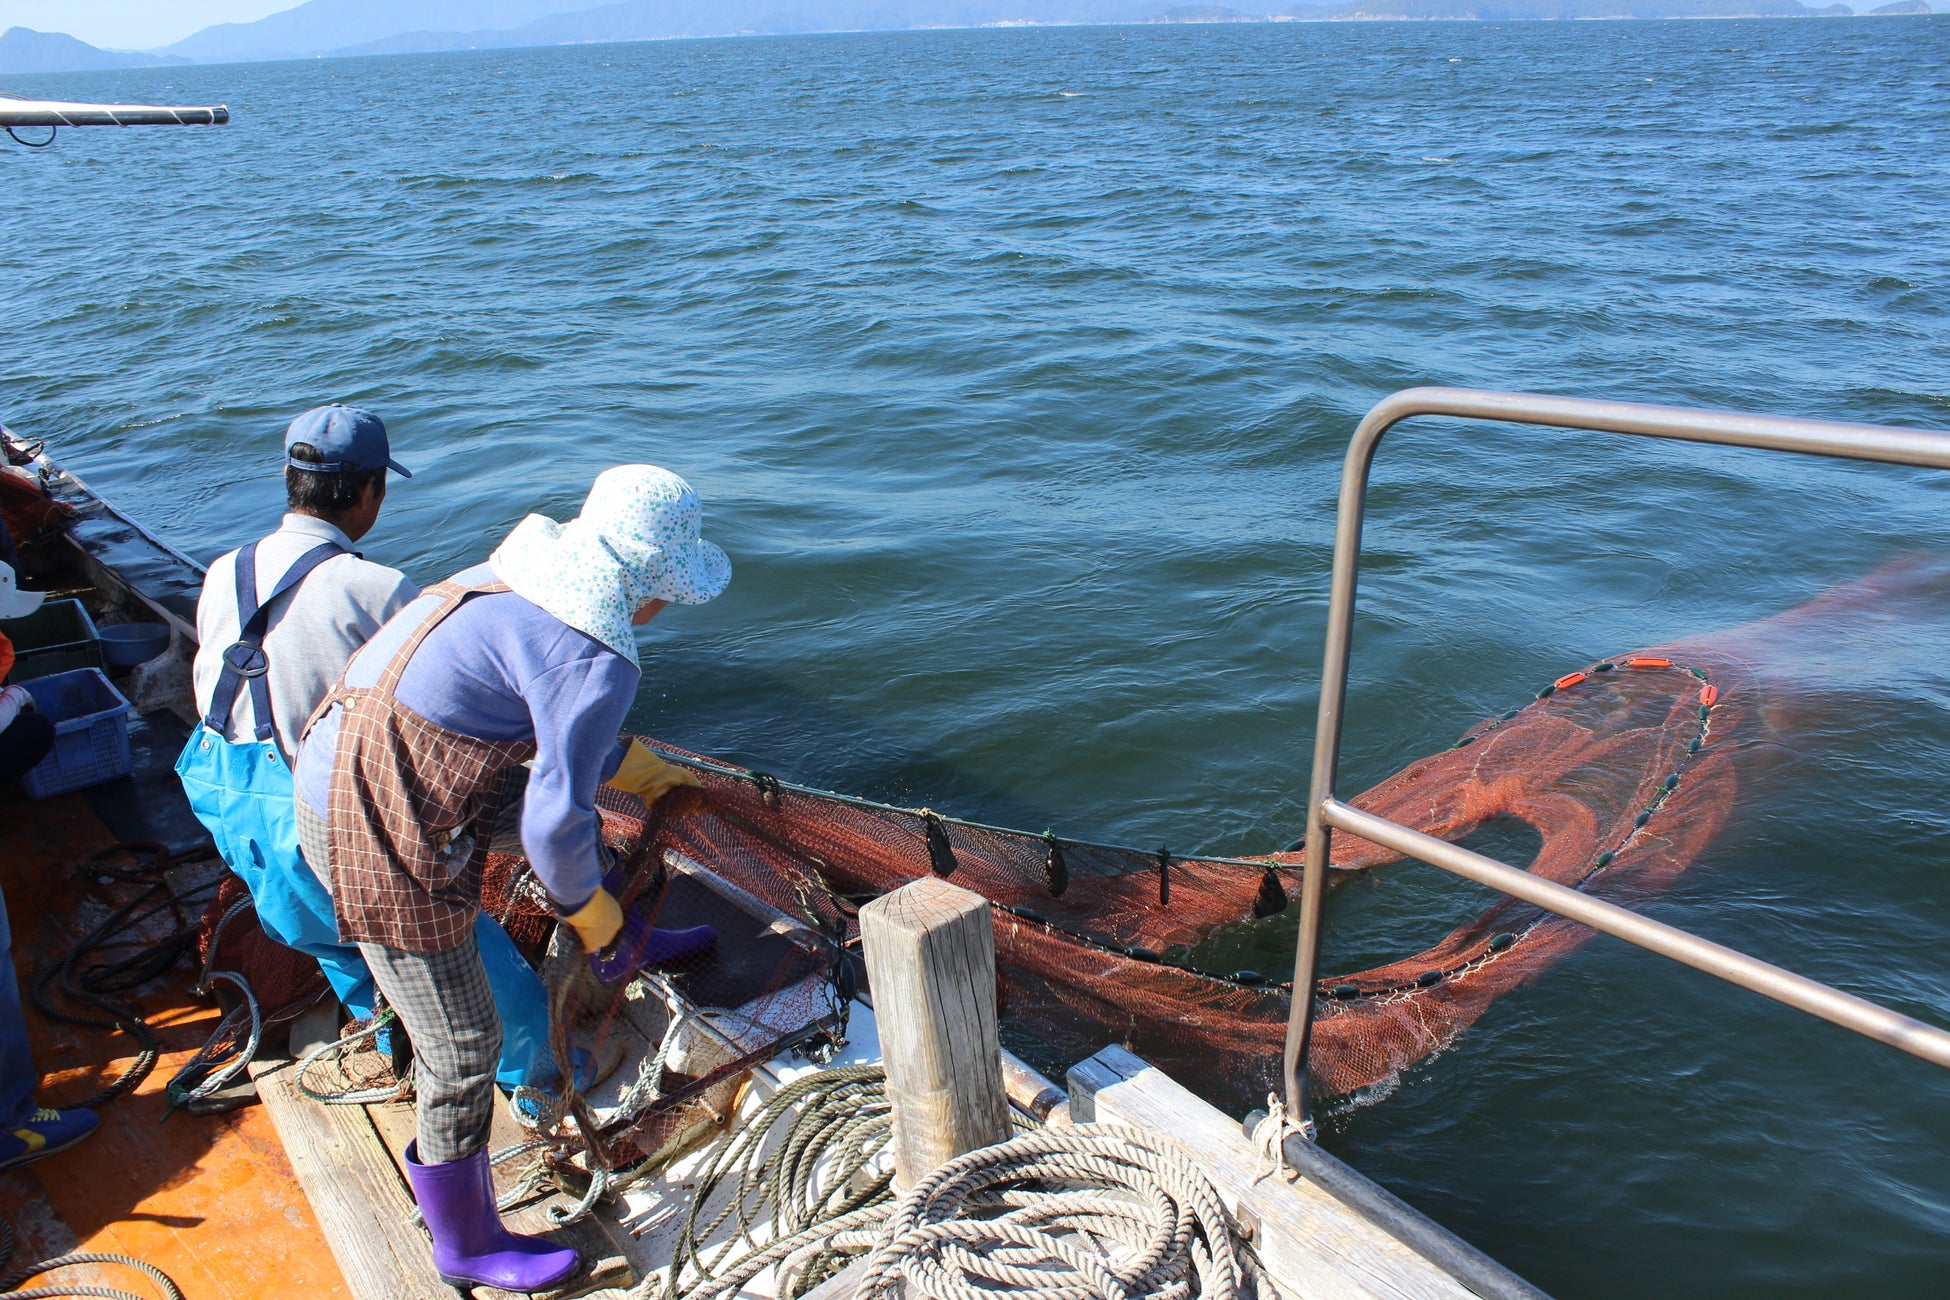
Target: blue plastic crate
x=91, y=732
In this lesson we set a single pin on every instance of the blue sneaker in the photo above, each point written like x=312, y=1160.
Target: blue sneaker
x=45, y=1133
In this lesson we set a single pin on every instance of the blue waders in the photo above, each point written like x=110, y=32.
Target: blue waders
x=242, y=793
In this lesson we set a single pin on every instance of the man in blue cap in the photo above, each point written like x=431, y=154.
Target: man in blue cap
x=336, y=458
x=275, y=625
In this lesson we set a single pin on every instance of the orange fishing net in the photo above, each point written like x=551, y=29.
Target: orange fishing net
x=286, y=982
x=1626, y=768
x=1621, y=767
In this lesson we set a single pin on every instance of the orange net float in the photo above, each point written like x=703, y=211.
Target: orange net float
x=1709, y=696
x=1567, y=680
x=1647, y=661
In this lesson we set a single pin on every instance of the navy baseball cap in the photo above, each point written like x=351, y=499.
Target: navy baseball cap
x=348, y=440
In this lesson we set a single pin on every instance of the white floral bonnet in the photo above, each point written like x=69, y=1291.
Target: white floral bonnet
x=635, y=541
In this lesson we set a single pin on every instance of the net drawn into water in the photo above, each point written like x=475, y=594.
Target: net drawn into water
x=1622, y=771
x=1620, y=768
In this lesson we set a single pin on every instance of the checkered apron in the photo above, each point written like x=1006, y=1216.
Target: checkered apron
x=405, y=872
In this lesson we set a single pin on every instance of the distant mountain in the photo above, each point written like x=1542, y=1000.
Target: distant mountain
x=642, y=20
x=22, y=49
x=635, y=20
x=353, y=27
x=1207, y=14
x=1505, y=10
x=323, y=26
x=1903, y=7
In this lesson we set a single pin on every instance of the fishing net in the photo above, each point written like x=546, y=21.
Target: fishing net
x=692, y=1027
x=1621, y=768
x=229, y=937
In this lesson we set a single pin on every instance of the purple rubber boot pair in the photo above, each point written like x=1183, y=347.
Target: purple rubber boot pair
x=471, y=1247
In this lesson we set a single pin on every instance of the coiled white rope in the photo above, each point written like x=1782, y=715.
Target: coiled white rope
x=1086, y=1212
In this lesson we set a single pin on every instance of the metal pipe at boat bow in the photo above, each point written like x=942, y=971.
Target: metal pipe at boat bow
x=49, y=112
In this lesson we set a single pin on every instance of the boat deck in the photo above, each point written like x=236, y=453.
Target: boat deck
x=200, y=1197
x=297, y=1196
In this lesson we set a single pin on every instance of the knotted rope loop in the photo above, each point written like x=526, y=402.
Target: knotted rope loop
x=1269, y=1139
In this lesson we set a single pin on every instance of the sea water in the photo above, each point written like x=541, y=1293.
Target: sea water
x=1015, y=368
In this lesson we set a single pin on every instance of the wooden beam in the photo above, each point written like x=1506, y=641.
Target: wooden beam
x=930, y=949
x=1031, y=1091
x=1312, y=1242
x=355, y=1191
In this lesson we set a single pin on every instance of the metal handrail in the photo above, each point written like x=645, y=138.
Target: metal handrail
x=1925, y=448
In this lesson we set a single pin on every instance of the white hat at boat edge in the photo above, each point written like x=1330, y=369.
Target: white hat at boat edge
x=15, y=603
x=636, y=540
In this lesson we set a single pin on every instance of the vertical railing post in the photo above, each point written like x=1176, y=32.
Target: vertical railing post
x=1327, y=747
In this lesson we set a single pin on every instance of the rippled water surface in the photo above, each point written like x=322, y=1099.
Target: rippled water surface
x=1015, y=368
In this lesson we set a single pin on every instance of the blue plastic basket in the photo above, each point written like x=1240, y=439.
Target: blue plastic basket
x=91, y=732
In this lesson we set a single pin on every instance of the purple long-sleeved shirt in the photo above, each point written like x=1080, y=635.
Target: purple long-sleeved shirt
x=501, y=668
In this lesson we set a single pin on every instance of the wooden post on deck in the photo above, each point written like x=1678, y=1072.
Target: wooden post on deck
x=931, y=965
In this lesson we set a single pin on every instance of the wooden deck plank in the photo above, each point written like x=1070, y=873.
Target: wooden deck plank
x=355, y=1190
x=1310, y=1242
x=605, y=1264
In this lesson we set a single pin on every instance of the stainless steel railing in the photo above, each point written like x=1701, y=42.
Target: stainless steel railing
x=1325, y=814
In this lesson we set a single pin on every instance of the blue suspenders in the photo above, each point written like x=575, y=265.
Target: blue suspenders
x=244, y=659
x=245, y=802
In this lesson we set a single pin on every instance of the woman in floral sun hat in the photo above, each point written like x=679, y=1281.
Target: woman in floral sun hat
x=403, y=773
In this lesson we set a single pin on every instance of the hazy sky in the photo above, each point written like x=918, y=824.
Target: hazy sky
x=133, y=24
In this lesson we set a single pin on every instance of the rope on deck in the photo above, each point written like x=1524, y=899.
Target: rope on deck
x=337, y=1051
x=1052, y=1214
x=208, y=1071
x=91, y=986
x=19, y=1275
x=1094, y=1209
x=805, y=1162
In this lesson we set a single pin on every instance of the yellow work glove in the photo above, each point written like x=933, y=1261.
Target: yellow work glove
x=597, y=922
x=648, y=777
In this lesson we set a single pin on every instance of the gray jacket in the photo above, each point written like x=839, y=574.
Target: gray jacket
x=313, y=630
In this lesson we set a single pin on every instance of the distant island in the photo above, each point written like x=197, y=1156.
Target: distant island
x=346, y=28
x=23, y=49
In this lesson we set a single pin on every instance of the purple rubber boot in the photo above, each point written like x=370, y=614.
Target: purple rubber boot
x=640, y=944
x=470, y=1245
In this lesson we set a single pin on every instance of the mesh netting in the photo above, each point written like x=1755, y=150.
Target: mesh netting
x=1624, y=770
x=697, y=1024
x=1621, y=768
x=286, y=982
